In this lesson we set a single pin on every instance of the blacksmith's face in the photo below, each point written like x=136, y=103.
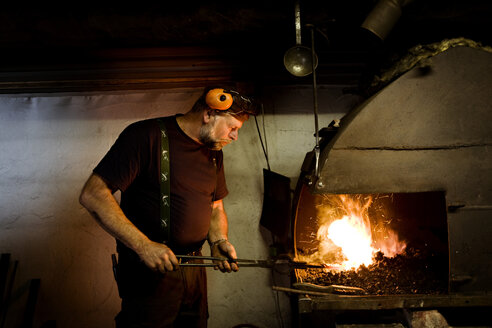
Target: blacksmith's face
x=220, y=130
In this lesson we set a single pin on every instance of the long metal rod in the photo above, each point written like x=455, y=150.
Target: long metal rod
x=241, y=262
x=210, y=265
x=246, y=262
x=201, y=257
x=192, y=257
x=303, y=292
x=298, y=22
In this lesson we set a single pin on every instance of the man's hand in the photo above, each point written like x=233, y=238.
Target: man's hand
x=224, y=249
x=159, y=257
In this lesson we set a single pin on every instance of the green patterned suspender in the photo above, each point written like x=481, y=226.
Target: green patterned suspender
x=165, y=199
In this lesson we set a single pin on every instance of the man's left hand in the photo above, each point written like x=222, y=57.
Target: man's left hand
x=225, y=249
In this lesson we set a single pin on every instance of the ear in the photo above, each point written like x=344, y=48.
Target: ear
x=207, y=115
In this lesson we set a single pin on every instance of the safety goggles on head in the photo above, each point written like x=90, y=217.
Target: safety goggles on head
x=230, y=100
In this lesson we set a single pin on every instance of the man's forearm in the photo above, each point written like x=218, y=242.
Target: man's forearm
x=97, y=198
x=99, y=201
x=218, y=224
x=218, y=240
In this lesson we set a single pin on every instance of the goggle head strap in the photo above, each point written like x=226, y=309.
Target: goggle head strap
x=223, y=100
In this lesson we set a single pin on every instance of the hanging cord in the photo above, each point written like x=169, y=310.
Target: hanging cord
x=264, y=133
x=315, y=102
x=263, y=146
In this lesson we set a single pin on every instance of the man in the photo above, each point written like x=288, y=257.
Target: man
x=155, y=290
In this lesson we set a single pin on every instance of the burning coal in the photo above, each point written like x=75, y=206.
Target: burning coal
x=412, y=272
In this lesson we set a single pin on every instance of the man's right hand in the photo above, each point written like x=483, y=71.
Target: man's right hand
x=159, y=257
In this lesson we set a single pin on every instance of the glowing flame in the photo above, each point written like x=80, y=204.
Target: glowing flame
x=354, y=238
x=346, y=238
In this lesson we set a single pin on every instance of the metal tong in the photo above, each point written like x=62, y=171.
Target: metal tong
x=270, y=263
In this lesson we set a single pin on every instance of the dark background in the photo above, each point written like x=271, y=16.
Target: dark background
x=180, y=43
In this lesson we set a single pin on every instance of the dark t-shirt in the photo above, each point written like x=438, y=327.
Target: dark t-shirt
x=132, y=166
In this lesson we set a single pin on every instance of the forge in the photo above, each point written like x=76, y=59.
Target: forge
x=405, y=183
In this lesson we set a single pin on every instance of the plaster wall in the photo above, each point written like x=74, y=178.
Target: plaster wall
x=49, y=143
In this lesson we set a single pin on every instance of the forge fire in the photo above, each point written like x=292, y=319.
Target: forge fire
x=346, y=237
x=382, y=243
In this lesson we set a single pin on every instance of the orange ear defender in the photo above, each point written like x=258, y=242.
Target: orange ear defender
x=218, y=99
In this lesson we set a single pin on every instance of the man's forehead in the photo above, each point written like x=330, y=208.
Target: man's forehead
x=240, y=120
x=236, y=120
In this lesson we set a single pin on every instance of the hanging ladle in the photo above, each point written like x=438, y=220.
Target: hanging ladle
x=298, y=60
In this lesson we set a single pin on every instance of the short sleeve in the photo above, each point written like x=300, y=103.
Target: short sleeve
x=126, y=157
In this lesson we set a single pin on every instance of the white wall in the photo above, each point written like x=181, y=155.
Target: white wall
x=49, y=144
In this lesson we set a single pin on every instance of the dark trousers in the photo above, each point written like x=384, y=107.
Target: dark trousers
x=173, y=299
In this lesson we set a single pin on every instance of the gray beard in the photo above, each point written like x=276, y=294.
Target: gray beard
x=205, y=137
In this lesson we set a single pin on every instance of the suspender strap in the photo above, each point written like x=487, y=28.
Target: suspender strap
x=165, y=185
